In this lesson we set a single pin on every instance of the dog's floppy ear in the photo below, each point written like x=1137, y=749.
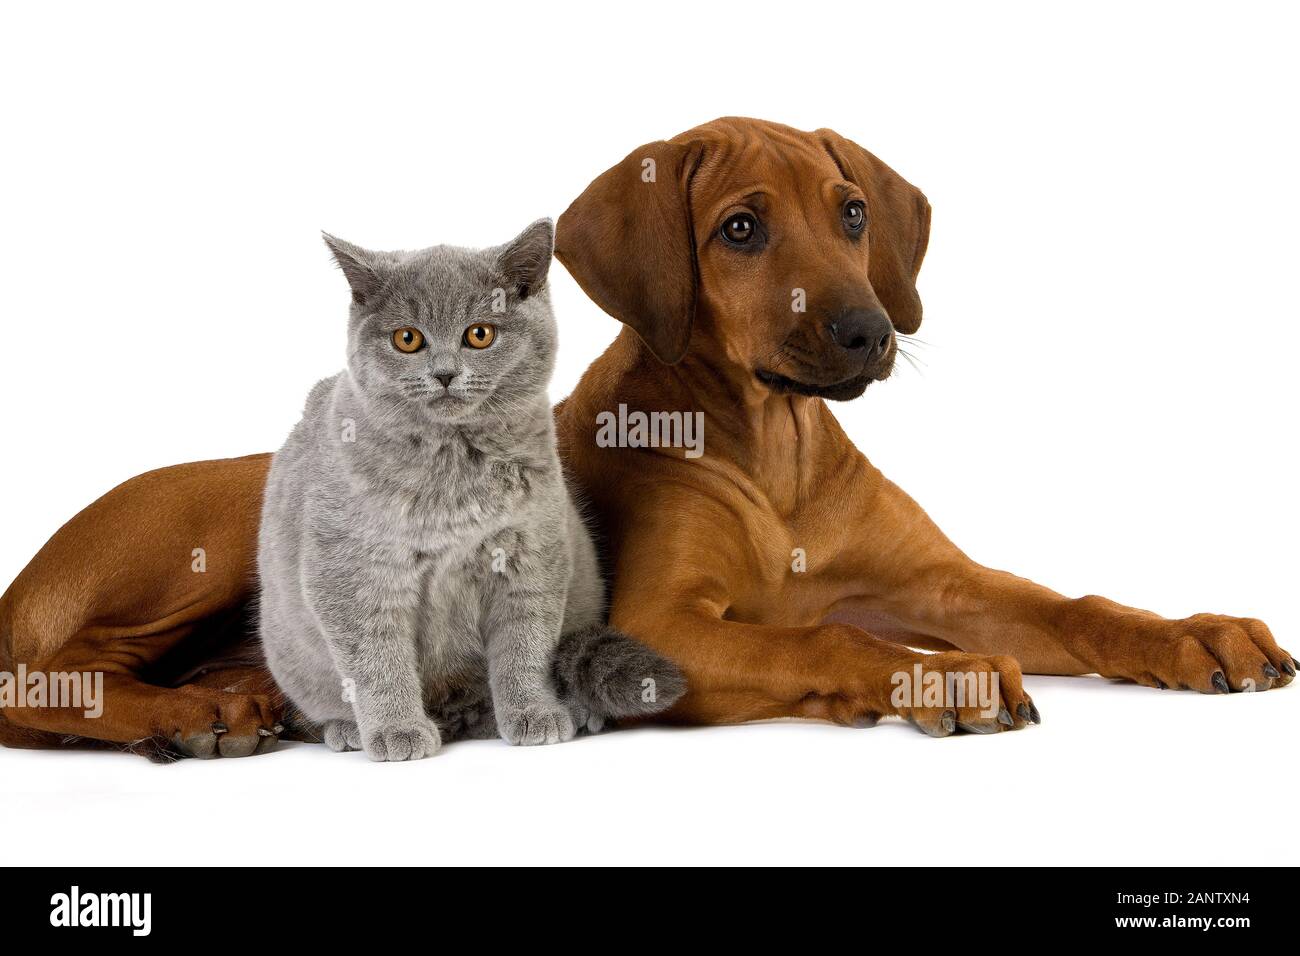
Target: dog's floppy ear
x=898, y=228
x=628, y=241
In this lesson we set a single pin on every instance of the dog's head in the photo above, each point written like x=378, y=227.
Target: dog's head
x=789, y=256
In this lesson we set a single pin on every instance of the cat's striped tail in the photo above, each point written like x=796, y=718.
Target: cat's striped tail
x=612, y=677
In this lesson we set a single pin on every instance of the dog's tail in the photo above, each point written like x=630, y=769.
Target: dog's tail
x=613, y=676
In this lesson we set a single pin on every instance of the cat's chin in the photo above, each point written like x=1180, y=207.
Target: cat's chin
x=448, y=408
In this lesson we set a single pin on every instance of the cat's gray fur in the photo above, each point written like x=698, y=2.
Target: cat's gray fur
x=419, y=549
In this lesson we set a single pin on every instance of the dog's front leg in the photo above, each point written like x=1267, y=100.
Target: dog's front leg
x=738, y=671
x=913, y=576
x=678, y=576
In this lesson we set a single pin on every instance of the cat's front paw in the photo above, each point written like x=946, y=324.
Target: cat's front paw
x=549, y=723
x=396, y=743
x=342, y=735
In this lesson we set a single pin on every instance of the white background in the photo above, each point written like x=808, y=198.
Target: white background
x=1108, y=403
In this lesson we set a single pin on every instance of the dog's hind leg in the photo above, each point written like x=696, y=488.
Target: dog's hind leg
x=148, y=584
x=225, y=712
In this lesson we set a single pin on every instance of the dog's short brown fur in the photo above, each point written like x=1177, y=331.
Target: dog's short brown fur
x=700, y=549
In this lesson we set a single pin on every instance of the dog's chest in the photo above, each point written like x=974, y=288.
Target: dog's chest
x=795, y=573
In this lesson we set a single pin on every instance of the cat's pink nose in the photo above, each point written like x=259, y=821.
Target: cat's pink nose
x=445, y=379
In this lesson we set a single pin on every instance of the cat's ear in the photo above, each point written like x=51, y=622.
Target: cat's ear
x=525, y=261
x=358, y=265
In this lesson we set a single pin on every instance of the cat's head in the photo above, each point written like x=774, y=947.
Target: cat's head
x=442, y=334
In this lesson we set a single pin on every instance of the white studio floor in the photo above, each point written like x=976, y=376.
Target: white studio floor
x=1116, y=774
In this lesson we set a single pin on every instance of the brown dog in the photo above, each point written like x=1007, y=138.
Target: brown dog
x=760, y=269
x=703, y=261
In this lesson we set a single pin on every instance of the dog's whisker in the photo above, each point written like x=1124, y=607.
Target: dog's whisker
x=913, y=362
x=910, y=357
x=912, y=340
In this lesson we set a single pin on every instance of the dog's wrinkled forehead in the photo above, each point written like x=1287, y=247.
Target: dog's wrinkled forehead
x=742, y=158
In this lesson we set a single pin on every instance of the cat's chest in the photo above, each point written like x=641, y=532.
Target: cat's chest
x=446, y=504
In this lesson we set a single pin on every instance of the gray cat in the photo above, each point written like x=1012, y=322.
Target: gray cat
x=425, y=572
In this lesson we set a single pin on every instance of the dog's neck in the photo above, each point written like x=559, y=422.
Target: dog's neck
x=781, y=443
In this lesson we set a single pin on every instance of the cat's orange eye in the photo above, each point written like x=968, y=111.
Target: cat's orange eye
x=480, y=336
x=408, y=340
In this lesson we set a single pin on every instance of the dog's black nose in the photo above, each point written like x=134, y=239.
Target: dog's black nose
x=866, y=331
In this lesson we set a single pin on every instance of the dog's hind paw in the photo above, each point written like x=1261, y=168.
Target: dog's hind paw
x=221, y=724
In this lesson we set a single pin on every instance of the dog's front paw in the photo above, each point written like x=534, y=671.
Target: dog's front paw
x=547, y=723
x=403, y=742
x=1210, y=653
x=1217, y=655
x=950, y=692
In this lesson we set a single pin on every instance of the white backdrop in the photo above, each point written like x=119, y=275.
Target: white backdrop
x=1108, y=402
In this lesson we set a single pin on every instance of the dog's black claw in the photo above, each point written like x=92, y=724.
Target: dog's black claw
x=1033, y=711
x=1004, y=717
x=1023, y=712
x=219, y=728
x=948, y=720
x=1288, y=668
x=1220, y=683
x=1161, y=684
x=1271, y=671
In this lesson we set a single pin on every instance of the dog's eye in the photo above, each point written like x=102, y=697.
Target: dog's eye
x=855, y=215
x=480, y=336
x=408, y=340
x=739, y=229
